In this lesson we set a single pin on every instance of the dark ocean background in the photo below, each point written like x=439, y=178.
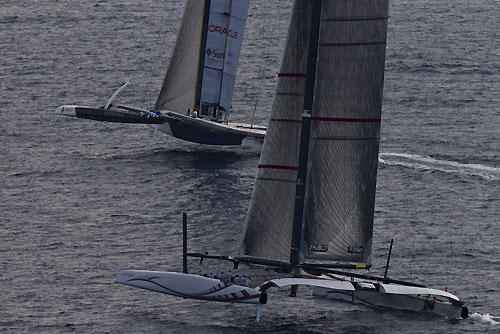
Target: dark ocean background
x=81, y=200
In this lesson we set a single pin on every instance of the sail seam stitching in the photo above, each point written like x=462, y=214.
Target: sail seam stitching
x=345, y=138
x=286, y=120
x=359, y=18
x=353, y=44
x=346, y=120
x=276, y=180
x=290, y=94
x=278, y=167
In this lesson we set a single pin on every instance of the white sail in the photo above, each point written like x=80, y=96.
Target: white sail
x=344, y=138
x=222, y=51
x=179, y=85
x=204, y=63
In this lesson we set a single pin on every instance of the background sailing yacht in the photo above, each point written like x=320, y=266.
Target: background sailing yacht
x=195, y=99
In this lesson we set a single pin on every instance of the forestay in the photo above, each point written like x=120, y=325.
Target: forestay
x=344, y=138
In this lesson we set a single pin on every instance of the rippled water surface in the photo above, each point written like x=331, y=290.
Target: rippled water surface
x=81, y=200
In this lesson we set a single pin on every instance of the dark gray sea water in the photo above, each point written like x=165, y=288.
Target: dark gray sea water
x=81, y=200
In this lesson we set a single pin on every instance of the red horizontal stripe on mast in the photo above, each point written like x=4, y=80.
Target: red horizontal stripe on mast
x=352, y=120
x=291, y=75
x=278, y=167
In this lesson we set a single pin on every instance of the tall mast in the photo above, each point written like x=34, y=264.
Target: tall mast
x=300, y=189
x=201, y=56
x=225, y=49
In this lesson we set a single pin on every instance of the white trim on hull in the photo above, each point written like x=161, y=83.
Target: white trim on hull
x=394, y=296
x=189, y=286
x=320, y=283
x=407, y=302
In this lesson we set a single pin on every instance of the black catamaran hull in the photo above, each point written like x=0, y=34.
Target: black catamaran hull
x=195, y=130
x=200, y=135
x=201, y=131
x=107, y=115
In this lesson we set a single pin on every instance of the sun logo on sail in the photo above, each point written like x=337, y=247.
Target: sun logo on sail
x=214, y=54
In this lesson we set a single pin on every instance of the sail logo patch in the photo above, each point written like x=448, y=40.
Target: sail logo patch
x=355, y=249
x=318, y=248
x=214, y=54
x=223, y=31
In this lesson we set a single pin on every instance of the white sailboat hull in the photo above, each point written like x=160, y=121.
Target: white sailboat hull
x=189, y=286
x=407, y=302
x=392, y=296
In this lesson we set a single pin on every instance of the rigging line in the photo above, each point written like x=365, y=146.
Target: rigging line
x=224, y=57
x=414, y=223
x=257, y=96
x=261, y=73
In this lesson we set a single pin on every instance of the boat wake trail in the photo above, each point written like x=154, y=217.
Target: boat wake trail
x=424, y=162
x=485, y=319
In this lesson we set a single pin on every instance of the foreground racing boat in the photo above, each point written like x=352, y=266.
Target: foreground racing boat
x=310, y=220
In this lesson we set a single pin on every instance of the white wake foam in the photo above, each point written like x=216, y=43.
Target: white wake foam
x=424, y=162
x=484, y=319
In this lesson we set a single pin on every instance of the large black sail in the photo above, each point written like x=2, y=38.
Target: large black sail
x=344, y=141
x=345, y=130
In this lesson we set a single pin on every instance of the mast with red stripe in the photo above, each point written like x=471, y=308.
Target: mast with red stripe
x=305, y=133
